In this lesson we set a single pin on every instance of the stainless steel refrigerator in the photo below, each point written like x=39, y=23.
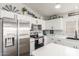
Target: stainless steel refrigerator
x=12, y=41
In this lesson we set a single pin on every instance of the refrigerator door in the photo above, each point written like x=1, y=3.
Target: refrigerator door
x=24, y=39
x=0, y=37
x=10, y=41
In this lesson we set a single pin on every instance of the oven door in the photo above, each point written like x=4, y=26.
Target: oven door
x=39, y=42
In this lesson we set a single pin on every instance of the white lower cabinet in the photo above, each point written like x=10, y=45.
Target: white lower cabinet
x=66, y=42
x=53, y=40
x=77, y=46
x=72, y=43
x=47, y=40
x=62, y=41
x=32, y=45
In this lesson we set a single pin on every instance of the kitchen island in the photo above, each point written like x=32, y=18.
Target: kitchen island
x=53, y=49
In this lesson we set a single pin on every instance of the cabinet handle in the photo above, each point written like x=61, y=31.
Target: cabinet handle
x=73, y=46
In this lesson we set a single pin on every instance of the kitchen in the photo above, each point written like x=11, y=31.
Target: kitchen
x=39, y=29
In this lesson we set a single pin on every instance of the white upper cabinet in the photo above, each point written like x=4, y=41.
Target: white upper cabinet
x=33, y=21
x=58, y=24
x=55, y=24
x=41, y=22
x=48, y=25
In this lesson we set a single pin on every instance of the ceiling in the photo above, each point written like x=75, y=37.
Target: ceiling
x=47, y=9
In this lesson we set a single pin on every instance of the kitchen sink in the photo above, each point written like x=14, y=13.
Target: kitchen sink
x=72, y=38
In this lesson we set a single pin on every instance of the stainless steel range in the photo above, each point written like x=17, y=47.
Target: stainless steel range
x=37, y=34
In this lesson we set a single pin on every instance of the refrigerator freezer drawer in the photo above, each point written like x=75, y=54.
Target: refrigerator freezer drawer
x=24, y=46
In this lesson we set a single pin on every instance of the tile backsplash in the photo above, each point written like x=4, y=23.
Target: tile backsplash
x=59, y=32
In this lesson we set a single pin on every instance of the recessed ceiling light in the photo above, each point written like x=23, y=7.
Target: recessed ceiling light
x=57, y=6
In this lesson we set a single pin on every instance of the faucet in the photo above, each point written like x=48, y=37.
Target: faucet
x=76, y=34
x=75, y=37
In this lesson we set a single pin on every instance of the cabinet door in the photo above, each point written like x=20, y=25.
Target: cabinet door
x=43, y=25
x=33, y=21
x=68, y=44
x=32, y=47
x=46, y=40
x=48, y=24
x=77, y=46
x=57, y=24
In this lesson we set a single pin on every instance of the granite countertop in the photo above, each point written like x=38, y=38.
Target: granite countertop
x=55, y=50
